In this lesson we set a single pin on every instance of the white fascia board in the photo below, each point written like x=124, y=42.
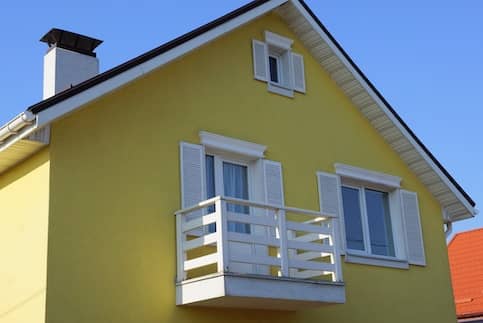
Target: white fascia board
x=383, y=106
x=369, y=176
x=62, y=108
x=232, y=145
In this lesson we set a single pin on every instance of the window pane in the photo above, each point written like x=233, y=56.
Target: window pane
x=352, y=218
x=210, y=186
x=273, y=65
x=379, y=218
x=235, y=181
x=210, y=176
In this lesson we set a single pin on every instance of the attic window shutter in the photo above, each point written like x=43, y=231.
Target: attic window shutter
x=273, y=182
x=192, y=175
x=330, y=198
x=298, y=72
x=260, y=57
x=412, y=222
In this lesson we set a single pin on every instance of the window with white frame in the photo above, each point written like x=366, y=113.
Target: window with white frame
x=377, y=221
x=367, y=219
x=275, y=63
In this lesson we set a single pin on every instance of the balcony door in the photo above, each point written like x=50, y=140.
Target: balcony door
x=231, y=179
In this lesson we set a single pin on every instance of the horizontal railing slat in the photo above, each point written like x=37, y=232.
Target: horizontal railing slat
x=232, y=200
x=199, y=222
x=310, y=246
x=306, y=274
x=201, y=261
x=253, y=239
x=200, y=242
x=308, y=228
x=312, y=265
x=309, y=255
x=255, y=259
x=310, y=237
x=264, y=220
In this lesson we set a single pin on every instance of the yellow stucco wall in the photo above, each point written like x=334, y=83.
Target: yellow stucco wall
x=115, y=186
x=24, y=205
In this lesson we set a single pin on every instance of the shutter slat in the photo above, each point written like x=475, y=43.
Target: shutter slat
x=330, y=198
x=192, y=175
x=298, y=72
x=260, y=58
x=412, y=223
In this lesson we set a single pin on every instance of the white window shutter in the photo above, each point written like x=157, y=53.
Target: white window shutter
x=260, y=60
x=298, y=72
x=192, y=175
x=330, y=199
x=412, y=223
x=273, y=182
x=287, y=70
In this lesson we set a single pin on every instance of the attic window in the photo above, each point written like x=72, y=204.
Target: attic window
x=275, y=63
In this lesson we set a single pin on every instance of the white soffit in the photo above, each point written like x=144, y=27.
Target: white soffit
x=326, y=52
x=17, y=152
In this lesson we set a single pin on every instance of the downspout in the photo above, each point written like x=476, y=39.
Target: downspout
x=448, y=229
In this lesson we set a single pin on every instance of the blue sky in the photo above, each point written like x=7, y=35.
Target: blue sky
x=424, y=57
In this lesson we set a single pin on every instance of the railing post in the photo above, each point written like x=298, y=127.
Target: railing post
x=282, y=227
x=180, y=254
x=336, y=255
x=222, y=238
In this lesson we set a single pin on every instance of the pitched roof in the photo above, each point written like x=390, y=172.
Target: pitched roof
x=457, y=203
x=466, y=263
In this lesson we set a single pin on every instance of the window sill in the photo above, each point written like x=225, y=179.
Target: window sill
x=278, y=89
x=374, y=260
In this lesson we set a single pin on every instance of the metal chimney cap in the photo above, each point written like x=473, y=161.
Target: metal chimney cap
x=71, y=41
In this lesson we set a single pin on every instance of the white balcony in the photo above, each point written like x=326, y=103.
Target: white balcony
x=284, y=258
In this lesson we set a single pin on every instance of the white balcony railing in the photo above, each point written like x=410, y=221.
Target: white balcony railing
x=282, y=242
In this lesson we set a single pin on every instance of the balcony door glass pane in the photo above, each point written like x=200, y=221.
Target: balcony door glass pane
x=380, y=228
x=210, y=186
x=235, y=182
x=353, y=218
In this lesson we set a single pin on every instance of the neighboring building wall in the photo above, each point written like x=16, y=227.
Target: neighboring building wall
x=24, y=202
x=115, y=187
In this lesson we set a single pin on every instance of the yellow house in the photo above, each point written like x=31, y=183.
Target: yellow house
x=245, y=172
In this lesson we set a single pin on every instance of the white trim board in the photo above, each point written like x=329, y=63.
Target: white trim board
x=239, y=147
x=368, y=176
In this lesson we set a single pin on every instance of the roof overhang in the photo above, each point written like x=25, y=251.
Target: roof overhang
x=455, y=202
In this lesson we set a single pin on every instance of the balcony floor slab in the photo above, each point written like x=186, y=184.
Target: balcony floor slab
x=258, y=292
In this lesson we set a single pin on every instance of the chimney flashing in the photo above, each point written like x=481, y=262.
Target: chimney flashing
x=71, y=41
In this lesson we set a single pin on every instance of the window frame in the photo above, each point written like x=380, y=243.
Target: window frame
x=356, y=177
x=365, y=221
x=285, y=73
x=218, y=160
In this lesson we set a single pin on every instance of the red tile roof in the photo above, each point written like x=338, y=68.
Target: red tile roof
x=466, y=263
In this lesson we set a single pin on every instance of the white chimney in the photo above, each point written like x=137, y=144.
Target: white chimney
x=69, y=60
